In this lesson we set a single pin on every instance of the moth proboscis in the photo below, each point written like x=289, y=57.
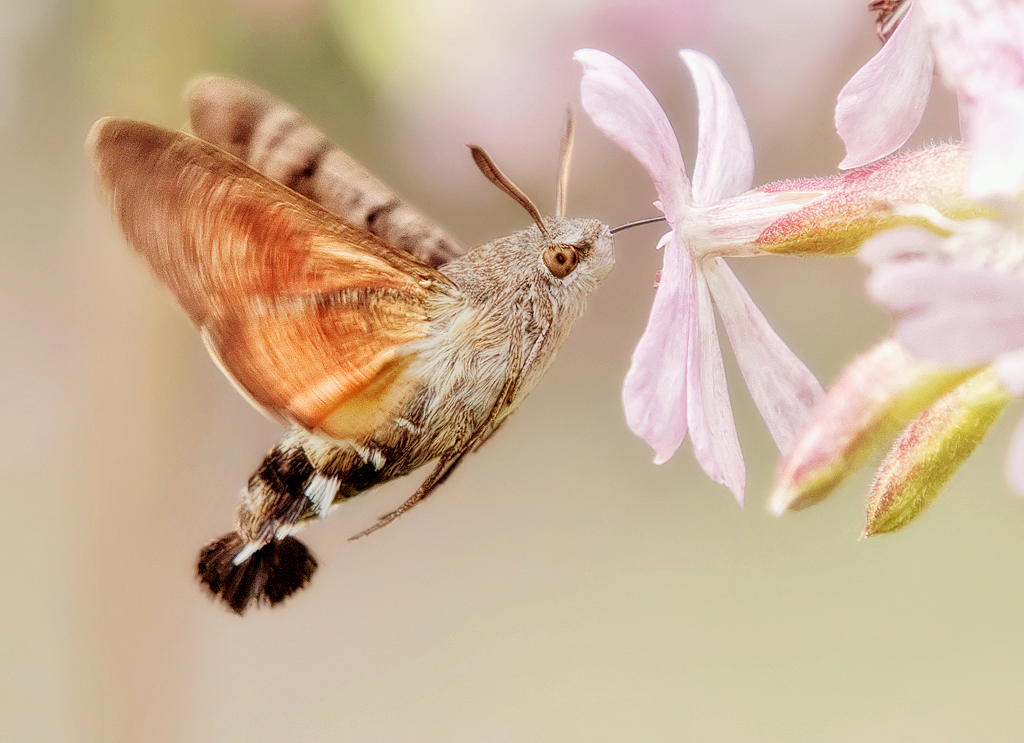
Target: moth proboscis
x=334, y=306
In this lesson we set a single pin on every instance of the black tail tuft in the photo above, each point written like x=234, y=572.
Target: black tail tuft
x=271, y=574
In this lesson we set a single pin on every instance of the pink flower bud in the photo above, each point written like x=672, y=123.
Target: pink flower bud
x=873, y=399
x=930, y=450
x=862, y=202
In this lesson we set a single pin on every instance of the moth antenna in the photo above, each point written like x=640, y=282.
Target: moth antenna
x=637, y=223
x=564, y=161
x=502, y=181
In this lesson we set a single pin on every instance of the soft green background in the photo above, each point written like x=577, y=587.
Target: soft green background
x=560, y=587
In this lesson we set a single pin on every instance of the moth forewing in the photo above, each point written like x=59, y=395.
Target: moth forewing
x=300, y=309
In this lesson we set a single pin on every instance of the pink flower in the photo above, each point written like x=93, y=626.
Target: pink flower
x=882, y=104
x=958, y=301
x=676, y=382
x=977, y=47
x=979, y=50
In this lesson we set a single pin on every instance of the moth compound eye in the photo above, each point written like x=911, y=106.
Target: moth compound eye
x=561, y=260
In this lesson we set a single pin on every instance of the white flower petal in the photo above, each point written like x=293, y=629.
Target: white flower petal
x=627, y=112
x=995, y=130
x=952, y=313
x=979, y=49
x=712, y=428
x=725, y=155
x=882, y=104
x=782, y=387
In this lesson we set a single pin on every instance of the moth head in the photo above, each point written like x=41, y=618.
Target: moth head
x=577, y=250
x=569, y=250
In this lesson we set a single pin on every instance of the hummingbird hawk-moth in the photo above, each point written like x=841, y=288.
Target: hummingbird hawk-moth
x=334, y=306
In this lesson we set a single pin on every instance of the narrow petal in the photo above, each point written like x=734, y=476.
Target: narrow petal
x=1015, y=460
x=882, y=104
x=627, y=112
x=654, y=393
x=783, y=389
x=725, y=155
x=712, y=428
x=952, y=313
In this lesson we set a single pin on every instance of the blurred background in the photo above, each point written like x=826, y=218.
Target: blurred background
x=560, y=587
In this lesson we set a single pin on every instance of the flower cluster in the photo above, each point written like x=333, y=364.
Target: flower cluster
x=676, y=382
x=956, y=290
x=945, y=240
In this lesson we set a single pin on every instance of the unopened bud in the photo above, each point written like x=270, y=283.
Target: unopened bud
x=930, y=450
x=872, y=400
x=864, y=201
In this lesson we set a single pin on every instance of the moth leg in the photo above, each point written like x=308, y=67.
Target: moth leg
x=435, y=478
x=444, y=468
x=447, y=464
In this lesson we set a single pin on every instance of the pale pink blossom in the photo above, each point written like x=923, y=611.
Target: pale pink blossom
x=977, y=47
x=882, y=104
x=958, y=301
x=676, y=382
x=956, y=290
x=877, y=394
x=979, y=51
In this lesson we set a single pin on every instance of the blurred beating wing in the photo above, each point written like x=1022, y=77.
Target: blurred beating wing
x=277, y=141
x=306, y=313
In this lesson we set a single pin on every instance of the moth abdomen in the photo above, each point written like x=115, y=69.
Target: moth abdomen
x=261, y=563
x=268, y=576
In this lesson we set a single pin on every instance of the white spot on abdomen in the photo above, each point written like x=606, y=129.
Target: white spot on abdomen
x=321, y=492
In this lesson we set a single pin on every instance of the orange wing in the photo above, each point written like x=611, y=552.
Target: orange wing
x=307, y=314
